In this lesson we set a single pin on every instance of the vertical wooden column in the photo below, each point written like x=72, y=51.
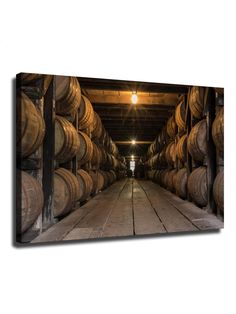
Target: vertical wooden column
x=75, y=159
x=188, y=124
x=48, y=155
x=209, y=109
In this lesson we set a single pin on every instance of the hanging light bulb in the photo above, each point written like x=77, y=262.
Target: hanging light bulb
x=133, y=142
x=134, y=98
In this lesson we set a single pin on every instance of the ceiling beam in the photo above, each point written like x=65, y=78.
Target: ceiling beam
x=118, y=119
x=120, y=85
x=124, y=98
x=129, y=107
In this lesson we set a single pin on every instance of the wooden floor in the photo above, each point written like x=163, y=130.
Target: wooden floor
x=131, y=207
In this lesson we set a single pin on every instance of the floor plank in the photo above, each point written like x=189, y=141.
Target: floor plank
x=131, y=207
x=60, y=230
x=120, y=221
x=172, y=219
x=198, y=216
x=96, y=219
x=146, y=220
x=78, y=234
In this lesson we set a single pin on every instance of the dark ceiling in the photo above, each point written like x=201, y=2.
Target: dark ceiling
x=124, y=121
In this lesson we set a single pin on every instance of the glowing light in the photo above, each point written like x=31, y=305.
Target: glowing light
x=132, y=156
x=133, y=142
x=134, y=98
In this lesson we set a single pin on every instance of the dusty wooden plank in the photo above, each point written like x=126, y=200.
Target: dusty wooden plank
x=172, y=219
x=198, y=216
x=58, y=231
x=146, y=220
x=98, y=216
x=120, y=221
x=91, y=225
x=78, y=234
x=96, y=233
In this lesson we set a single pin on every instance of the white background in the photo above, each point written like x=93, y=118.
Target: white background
x=161, y=41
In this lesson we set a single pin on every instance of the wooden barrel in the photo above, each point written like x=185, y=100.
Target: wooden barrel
x=105, y=178
x=181, y=148
x=103, y=154
x=115, y=162
x=163, y=177
x=66, y=192
x=29, y=202
x=162, y=157
x=196, y=101
x=111, y=177
x=109, y=160
x=67, y=143
x=170, y=180
x=197, y=141
x=34, y=80
x=155, y=175
x=151, y=174
x=157, y=145
x=197, y=186
x=96, y=157
x=114, y=175
x=97, y=126
x=163, y=137
x=153, y=148
x=30, y=126
x=86, y=184
x=218, y=130
x=149, y=153
x=98, y=181
x=68, y=95
x=180, y=115
x=218, y=190
x=31, y=77
x=174, y=181
x=102, y=137
x=85, y=152
x=180, y=183
x=114, y=150
x=159, y=176
x=85, y=114
x=171, y=127
x=171, y=153
x=107, y=142
x=154, y=161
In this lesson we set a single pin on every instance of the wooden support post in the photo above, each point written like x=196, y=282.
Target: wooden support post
x=188, y=123
x=48, y=155
x=209, y=109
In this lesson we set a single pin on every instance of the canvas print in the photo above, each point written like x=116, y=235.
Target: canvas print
x=99, y=158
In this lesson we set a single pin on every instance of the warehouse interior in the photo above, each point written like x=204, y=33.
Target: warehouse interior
x=100, y=158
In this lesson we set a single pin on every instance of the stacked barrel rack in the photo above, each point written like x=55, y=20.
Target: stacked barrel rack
x=187, y=155
x=64, y=154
